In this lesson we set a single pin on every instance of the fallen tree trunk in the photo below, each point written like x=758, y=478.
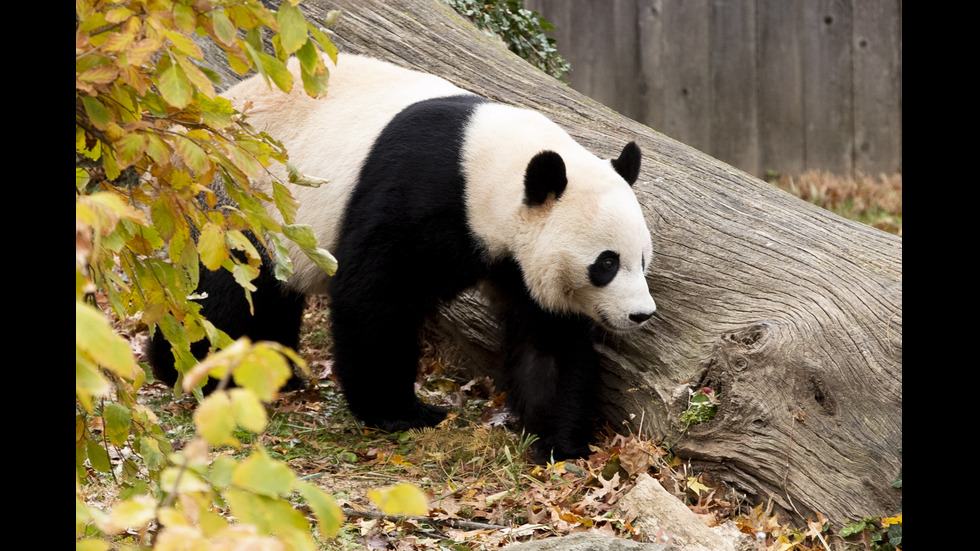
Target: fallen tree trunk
x=792, y=314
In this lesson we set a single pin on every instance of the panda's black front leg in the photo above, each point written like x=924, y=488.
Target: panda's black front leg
x=550, y=375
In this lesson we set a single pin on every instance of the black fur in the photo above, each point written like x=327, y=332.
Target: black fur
x=278, y=315
x=604, y=269
x=404, y=246
x=545, y=176
x=628, y=163
x=550, y=369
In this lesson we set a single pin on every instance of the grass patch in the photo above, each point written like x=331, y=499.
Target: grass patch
x=872, y=200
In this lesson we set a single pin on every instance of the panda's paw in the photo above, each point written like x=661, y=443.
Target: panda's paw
x=294, y=383
x=428, y=415
x=550, y=450
x=421, y=415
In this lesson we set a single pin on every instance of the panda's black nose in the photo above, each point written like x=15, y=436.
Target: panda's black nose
x=640, y=317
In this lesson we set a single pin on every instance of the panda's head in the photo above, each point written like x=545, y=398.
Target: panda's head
x=588, y=247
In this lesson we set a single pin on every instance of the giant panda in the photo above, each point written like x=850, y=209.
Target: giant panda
x=433, y=190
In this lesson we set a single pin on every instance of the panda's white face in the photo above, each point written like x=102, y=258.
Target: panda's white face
x=591, y=259
x=569, y=219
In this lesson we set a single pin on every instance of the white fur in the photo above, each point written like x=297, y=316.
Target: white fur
x=554, y=243
x=331, y=136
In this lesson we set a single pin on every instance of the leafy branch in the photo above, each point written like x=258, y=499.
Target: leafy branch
x=165, y=182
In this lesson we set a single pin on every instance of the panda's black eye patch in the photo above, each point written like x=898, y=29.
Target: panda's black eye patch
x=604, y=269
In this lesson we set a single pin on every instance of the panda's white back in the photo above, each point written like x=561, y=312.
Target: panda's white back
x=330, y=137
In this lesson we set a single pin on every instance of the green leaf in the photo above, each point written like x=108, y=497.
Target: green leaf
x=185, y=18
x=89, y=382
x=98, y=457
x=175, y=479
x=81, y=178
x=263, y=475
x=244, y=161
x=184, y=44
x=309, y=57
x=249, y=411
x=329, y=516
x=322, y=37
x=244, y=274
x=253, y=38
x=296, y=177
x=269, y=515
x=263, y=371
x=215, y=420
x=224, y=29
x=155, y=104
x=217, y=112
x=211, y=246
x=117, y=419
x=852, y=528
x=278, y=72
x=292, y=27
x=238, y=241
x=285, y=202
x=97, y=113
x=174, y=86
x=157, y=148
x=91, y=545
x=192, y=154
x=303, y=236
x=196, y=77
x=281, y=54
x=153, y=457
x=271, y=68
x=94, y=336
x=221, y=470
x=112, y=170
x=163, y=219
x=177, y=337
x=133, y=514
x=314, y=83
x=283, y=262
x=129, y=149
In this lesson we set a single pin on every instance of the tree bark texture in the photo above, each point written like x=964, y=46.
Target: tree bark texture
x=792, y=314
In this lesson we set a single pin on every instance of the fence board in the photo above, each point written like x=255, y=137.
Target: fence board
x=878, y=57
x=781, y=87
x=686, y=72
x=784, y=85
x=828, y=105
x=732, y=61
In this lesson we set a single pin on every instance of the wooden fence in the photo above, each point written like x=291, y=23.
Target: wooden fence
x=786, y=85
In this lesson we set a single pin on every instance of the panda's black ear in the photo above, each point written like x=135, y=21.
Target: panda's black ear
x=628, y=163
x=545, y=174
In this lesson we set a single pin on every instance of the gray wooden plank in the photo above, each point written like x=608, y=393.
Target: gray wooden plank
x=828, y=79
x=878, y=86
x=781, y=87
x=734, y=78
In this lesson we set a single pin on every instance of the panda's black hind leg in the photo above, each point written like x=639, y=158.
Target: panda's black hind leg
x=278, y=316
x=375, y=326
x=376, y=364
